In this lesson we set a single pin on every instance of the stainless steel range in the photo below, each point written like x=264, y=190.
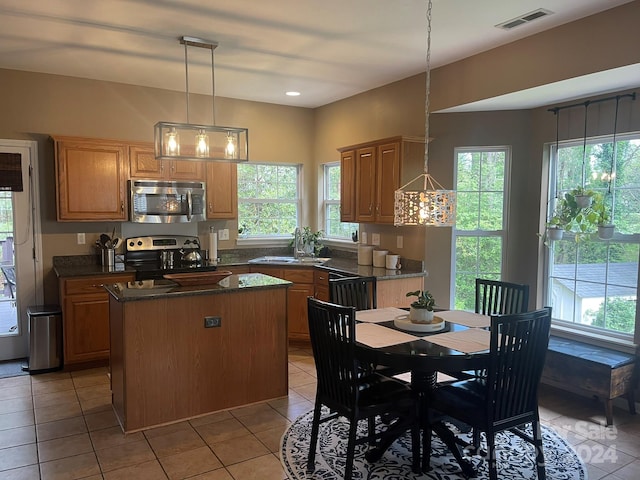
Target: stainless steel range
x=156, y=255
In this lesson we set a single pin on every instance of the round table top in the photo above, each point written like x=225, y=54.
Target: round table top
x=422, y=355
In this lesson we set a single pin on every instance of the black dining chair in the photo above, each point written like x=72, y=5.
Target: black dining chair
x=357, y=292
x=360, y=293
x=343, y=389
x=507, y=398
x=494, y=297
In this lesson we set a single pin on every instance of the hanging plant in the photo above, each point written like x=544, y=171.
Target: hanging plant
x=571, y=217
x=605, y=227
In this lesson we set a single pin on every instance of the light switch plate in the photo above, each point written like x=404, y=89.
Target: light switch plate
x=399, y=241
x=81, y=239
x=223, y=234
x=363, y=238
x=375, y=239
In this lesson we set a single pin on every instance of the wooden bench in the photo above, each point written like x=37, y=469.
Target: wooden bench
x=592, y=371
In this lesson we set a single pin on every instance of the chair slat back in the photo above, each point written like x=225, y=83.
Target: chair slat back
x=332, y=332
x=518, y=347
x=357, y=292
x=494, y=297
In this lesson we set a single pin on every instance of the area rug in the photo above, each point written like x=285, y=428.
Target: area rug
x=515, y=456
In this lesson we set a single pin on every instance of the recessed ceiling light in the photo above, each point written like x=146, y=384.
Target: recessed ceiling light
x=293, y=94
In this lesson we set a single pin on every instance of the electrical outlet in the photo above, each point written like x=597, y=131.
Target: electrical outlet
x=363, y=238
x=210, y=322
x=81, y=239
x=399, y=241
x=223, y=234
x=375, y=239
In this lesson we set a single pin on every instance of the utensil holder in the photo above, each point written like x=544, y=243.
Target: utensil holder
x=108, y=257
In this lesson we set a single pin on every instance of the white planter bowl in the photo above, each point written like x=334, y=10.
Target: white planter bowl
x=421, y=315
x=555, y=233
x=583, y=201
x=605, y=232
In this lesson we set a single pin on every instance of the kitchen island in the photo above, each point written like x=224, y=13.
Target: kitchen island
x=179, y=352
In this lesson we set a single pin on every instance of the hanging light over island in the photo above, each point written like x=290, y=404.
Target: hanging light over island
x=187, y=141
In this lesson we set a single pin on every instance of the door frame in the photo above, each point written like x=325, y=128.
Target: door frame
x=27, y=247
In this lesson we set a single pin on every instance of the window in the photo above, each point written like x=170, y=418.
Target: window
x=480, y=232
x=333, y=227
x=268, y=199
x=590, y=283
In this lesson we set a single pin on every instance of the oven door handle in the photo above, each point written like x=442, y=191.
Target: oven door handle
x=189, y=206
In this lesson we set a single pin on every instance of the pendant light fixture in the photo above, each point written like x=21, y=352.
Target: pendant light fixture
x=433, y=205
x=186, y=141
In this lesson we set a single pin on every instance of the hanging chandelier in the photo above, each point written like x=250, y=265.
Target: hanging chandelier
x=433, y=205
x=186, y=141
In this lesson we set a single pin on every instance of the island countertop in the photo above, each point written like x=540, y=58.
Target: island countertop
x=151, y=289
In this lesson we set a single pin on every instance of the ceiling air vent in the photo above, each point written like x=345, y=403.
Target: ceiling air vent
x=526, y=18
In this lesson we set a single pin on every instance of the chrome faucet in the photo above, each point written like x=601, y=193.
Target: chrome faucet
x=298, y=250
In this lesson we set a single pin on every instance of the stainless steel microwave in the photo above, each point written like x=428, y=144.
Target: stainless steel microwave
x=158, y=201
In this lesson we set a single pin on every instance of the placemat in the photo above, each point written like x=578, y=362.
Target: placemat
x=468, y=319
x=377, y=336
x=379, y=314
x=465, y=341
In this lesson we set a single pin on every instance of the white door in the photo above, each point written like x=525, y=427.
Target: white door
x=25, y=241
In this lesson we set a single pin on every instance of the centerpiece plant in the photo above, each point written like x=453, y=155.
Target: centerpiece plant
x=422, y=308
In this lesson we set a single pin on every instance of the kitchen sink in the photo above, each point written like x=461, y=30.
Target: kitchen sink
x=277, y=260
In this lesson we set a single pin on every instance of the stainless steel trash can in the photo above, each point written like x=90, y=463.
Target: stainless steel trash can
x=45, y=338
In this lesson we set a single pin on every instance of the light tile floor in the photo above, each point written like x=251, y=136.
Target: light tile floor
x=61, y=426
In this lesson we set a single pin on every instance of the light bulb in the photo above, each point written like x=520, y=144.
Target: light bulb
x=202, y=144
x=172, y=142
x=230, y=149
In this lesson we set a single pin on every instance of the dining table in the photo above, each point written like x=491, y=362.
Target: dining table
x=457, y=341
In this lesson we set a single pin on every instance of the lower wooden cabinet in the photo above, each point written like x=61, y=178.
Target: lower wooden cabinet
x=85, y=317
x=321, y=284
x=311, y=282
x=297, y=294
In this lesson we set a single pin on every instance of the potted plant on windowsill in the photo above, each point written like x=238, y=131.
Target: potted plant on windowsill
x=421, y=309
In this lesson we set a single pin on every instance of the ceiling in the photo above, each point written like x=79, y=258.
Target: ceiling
x=327, y=50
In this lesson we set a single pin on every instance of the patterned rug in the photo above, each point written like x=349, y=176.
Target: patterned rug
x=515, y=456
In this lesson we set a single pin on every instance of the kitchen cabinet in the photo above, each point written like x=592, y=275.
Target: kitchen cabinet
x=303, y=287
x=222, y=190
x=321, y=284
x=91, y=179
x=347, y=192
x=85, y=316
x=372, y=173
x=143, y=164
x=393, y=292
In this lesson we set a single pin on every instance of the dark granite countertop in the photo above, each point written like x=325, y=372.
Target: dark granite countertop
x=155, y=289
x=82, y=265
x=63, y=271
x=340, y=264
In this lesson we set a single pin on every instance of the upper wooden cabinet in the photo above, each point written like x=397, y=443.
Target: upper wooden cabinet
x=222, y=190
x=371, y=173
x=143, y=164
x=91, y=179
x=347, y=182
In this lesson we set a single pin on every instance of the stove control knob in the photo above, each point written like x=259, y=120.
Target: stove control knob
x=139, y=243
x=131, y=244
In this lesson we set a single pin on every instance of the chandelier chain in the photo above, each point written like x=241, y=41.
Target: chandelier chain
x=426, y=101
